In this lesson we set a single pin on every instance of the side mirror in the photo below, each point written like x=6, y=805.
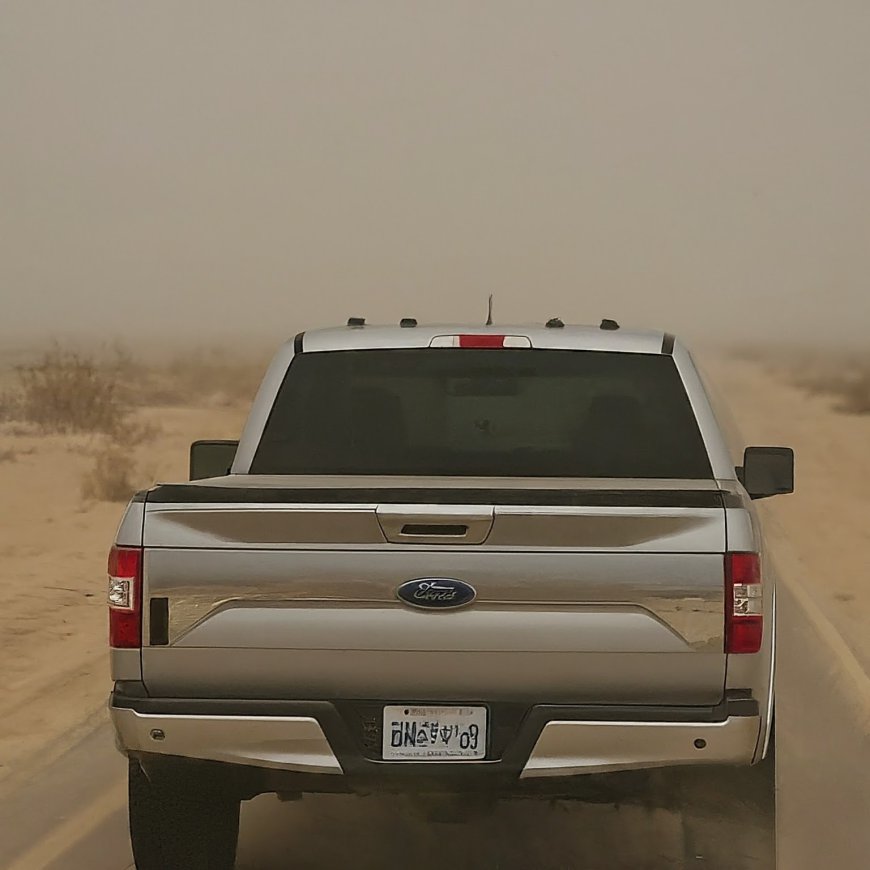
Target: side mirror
x=768, y=471
x=211, y=458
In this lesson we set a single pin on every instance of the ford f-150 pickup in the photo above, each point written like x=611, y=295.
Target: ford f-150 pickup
x=443, y=560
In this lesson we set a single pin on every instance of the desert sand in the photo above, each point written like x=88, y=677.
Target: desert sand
x=53, y=543
x=53, y=549
x=826, y=522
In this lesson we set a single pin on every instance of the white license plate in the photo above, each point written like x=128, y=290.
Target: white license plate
x=434, y=733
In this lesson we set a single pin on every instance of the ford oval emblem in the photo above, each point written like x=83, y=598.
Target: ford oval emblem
x=437, y=593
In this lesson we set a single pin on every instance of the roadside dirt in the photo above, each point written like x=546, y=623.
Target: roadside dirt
x=53, y=547
x=826, y=520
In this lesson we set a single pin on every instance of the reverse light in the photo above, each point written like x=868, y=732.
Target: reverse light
x=121, y=593
x=125, y=597
x=744, y=605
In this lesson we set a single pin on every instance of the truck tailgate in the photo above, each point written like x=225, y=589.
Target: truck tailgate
x=583, y=596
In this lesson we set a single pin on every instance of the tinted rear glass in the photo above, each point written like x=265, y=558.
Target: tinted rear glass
x=511, y=413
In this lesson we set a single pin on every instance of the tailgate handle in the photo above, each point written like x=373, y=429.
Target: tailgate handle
x=435, y=530
x=435, y=524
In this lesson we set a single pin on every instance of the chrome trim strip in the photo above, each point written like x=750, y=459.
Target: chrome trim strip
x=281, y=742
x=771, y=694
x=565, y=748
x=683, y=591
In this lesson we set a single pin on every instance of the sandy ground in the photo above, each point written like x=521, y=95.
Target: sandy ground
x=53, y=544
x=53, y=548
x=827, y=520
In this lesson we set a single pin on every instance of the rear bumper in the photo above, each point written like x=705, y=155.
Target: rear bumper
x=293, y=743
x=326, y=746
x=569, y=748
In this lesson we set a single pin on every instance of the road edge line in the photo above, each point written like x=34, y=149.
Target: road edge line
x=842, y=656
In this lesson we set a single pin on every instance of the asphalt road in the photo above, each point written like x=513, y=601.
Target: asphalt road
x=71, y=816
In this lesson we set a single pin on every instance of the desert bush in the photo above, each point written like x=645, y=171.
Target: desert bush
x=132, y=431
x=66, y=392
x=109, y=478
x=9, y=406
x=841, y=377
x=854, y=395
x=8, y=455
x=209, y=377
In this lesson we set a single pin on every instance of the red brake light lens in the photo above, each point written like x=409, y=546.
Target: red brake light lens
x=481, y=340
x=744, y=614
x=125, y=597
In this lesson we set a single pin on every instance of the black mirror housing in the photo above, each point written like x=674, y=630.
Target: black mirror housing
x=768, y=471
x=211, y=458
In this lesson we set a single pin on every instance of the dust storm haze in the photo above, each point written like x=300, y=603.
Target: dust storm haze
x=218, y=168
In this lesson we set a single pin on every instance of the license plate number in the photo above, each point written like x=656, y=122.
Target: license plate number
x=434, y=733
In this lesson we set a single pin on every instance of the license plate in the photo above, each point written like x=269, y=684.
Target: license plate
x=434, y=733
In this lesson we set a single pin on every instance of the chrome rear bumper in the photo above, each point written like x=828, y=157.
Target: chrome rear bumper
x=310, y=738
x=294, y=743
x=566, y=748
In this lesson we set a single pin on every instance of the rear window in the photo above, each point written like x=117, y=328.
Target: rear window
x=506, y=413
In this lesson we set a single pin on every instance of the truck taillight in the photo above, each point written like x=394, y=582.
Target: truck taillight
x=744, y=616
x=125, y=597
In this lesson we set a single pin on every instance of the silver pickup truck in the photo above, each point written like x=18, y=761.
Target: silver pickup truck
x=495, y=560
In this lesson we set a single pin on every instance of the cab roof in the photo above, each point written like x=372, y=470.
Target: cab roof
x=355, y=337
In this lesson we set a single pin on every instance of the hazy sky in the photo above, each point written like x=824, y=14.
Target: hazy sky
x=208, y=166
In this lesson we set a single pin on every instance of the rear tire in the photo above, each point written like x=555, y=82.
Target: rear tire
x=174, y=827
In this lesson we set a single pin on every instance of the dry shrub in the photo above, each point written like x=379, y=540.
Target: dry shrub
x=67, y=392
x=132, y=432
x=109, y=479
x=9, y=407
x=207, y=377
x=854, y=395
x=842, y=377
x=8, y=455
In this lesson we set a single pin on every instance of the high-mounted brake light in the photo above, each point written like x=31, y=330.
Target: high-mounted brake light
x=125, y=597
x=744, y=614
x=482, y=340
